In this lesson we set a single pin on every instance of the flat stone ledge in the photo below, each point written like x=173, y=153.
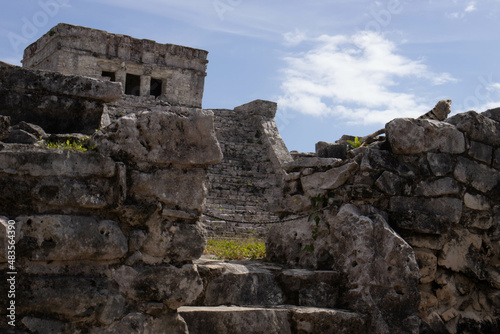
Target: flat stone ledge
x=311, y=163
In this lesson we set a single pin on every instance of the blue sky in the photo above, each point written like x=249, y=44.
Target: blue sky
x=334, y=66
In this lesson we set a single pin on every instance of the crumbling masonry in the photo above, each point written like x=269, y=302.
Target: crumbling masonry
x=400, y=236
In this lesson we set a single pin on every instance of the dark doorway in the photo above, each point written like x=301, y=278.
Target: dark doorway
x=133, y=85
x=155, y=87
x=110, y=75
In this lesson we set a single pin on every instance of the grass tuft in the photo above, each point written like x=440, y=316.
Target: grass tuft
x=236, y=249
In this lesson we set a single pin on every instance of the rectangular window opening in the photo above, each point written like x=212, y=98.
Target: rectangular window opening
x=133, y=85
x=110, y=75
x=155, y=89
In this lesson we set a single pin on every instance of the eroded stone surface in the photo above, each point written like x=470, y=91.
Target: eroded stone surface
x=410, y=136
x=175, y=135
x=67, y=238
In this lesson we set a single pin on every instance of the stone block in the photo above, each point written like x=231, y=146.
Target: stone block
x=440, y=187
x=332, y=179
x=476, y=202
x=173, y=242
x=425, y=215
x=481, y=152
x=477, y=127
x=311, y=288
x=389, y=183
x=441, y=164
x=236, y=320
x=87, y=193
x=135, y=322
x=258, y=107
x=56, y=102
x=242, y=285
x=311, y=162
x=69, y=238
x=413, y=136
x=175, y=135
x=456, y=252
x=427, y=263
x=479, y=176
x=494, y=114
x=64, y=297
x=329, y=150
x=315, y=320
x=173, y=286
x=49, y=162
x=21, y=137
x=33, y=129
x=184, y=188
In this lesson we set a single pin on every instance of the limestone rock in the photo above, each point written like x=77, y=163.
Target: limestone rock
x=427, y=262
x=411, y=136
x=169, y=285
x=176, y=135
x=440, y=163
x=457, y=253
x=66, y=238
x=380, y=268
x=494, y=114
x=48, y=162
x=389, y=183
x=176, y=187
x=236, y=320
x=258, y=107
x=319, y=182
x=64, y=297
x=311, y=162
x=243, y=285
x=440, y=187
x=330, y=150
x=478, y=175
x=176, y=242
x=477, y=127
x=425, y=215
x=56, y=102
x=171, y=323
x=481, y=152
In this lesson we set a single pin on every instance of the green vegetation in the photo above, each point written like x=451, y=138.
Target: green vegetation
x=70, y=144
x=236, y=249
x=356, y=143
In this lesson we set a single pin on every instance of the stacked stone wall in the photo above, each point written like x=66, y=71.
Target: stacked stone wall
x=436, y=185
x=248, y=181
x=105, y=239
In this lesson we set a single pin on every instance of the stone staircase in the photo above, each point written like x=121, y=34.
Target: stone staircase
x=258, y=297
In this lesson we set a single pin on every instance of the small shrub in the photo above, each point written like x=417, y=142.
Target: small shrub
x=70, y=144
x=356, y=143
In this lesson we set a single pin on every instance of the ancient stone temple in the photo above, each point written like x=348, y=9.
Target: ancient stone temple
x=144, y=68
x=399, y=236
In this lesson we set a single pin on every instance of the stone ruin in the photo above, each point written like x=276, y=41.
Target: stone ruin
x=401, y=236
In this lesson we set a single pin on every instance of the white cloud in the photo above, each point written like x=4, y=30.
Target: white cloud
x=293, y=38
x=354, y=78
x=469, y=8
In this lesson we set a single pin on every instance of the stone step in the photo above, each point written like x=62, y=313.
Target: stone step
x=249, y=282
x=282, y=319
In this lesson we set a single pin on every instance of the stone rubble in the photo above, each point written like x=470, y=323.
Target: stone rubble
x=411, y=223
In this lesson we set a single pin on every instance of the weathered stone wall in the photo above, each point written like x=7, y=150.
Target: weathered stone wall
x=56, y=102
x=248, y=181
x=76, y=50
x=105, y=239
x=411, y=222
